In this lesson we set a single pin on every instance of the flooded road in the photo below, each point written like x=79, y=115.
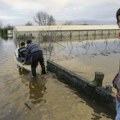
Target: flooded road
x=42, y=98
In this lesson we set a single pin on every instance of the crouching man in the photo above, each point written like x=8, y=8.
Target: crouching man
x=35, y=54
x=22, y=52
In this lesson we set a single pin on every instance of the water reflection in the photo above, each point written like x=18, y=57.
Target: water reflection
x=22, y=71
x=37, y=90
x=26, y=98
x=97, y=114
x=36, y=85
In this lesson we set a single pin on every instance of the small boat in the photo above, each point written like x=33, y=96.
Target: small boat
x=20, y=64
x=25, y=66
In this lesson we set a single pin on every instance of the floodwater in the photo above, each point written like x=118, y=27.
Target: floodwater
x=87, y=57
x=44, y=97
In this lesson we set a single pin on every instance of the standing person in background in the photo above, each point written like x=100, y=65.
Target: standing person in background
x=118, y=17
x=116, y=80
x=36, y=56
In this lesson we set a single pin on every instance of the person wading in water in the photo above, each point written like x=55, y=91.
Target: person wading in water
x=35, y=54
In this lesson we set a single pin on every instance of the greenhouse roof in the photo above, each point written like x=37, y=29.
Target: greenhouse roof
x=64, y=27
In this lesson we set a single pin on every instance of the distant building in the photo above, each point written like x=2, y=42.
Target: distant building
x=63, y=32
x=10, y=33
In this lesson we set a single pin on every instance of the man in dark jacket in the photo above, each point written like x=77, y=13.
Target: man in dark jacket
x=36, y=55
x=22, y=52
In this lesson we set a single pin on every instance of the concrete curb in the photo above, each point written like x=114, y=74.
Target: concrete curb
x=100, y=94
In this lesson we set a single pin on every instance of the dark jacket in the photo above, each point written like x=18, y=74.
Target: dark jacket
x=31, y=49
x=22, y=52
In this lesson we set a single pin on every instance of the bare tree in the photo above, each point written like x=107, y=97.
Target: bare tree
x=51, y=20
x=9, y=27
x=29, y=23
x=42, y=18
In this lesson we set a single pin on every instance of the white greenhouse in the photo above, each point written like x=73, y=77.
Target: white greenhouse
x=63, y=32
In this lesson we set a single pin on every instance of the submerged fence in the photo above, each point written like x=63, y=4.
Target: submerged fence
x=80, y=34
x=63, y=35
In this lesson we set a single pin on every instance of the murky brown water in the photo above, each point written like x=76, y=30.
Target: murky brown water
x=87, y=57
x=44, y=98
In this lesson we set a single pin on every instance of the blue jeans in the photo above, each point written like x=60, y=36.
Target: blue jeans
x=117, y=109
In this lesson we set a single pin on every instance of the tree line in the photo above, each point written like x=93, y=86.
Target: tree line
x=4, y=31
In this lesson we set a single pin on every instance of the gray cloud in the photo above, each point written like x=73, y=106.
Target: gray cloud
x=20, y=11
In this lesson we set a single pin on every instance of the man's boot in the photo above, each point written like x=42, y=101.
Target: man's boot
x=43, y=70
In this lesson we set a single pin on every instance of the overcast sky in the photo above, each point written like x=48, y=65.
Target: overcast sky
x=18, y=12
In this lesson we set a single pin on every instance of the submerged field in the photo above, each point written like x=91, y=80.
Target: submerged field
x=86, y=57
x=45, y=97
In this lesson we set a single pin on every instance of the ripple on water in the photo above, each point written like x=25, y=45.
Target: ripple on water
x=45, y=98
